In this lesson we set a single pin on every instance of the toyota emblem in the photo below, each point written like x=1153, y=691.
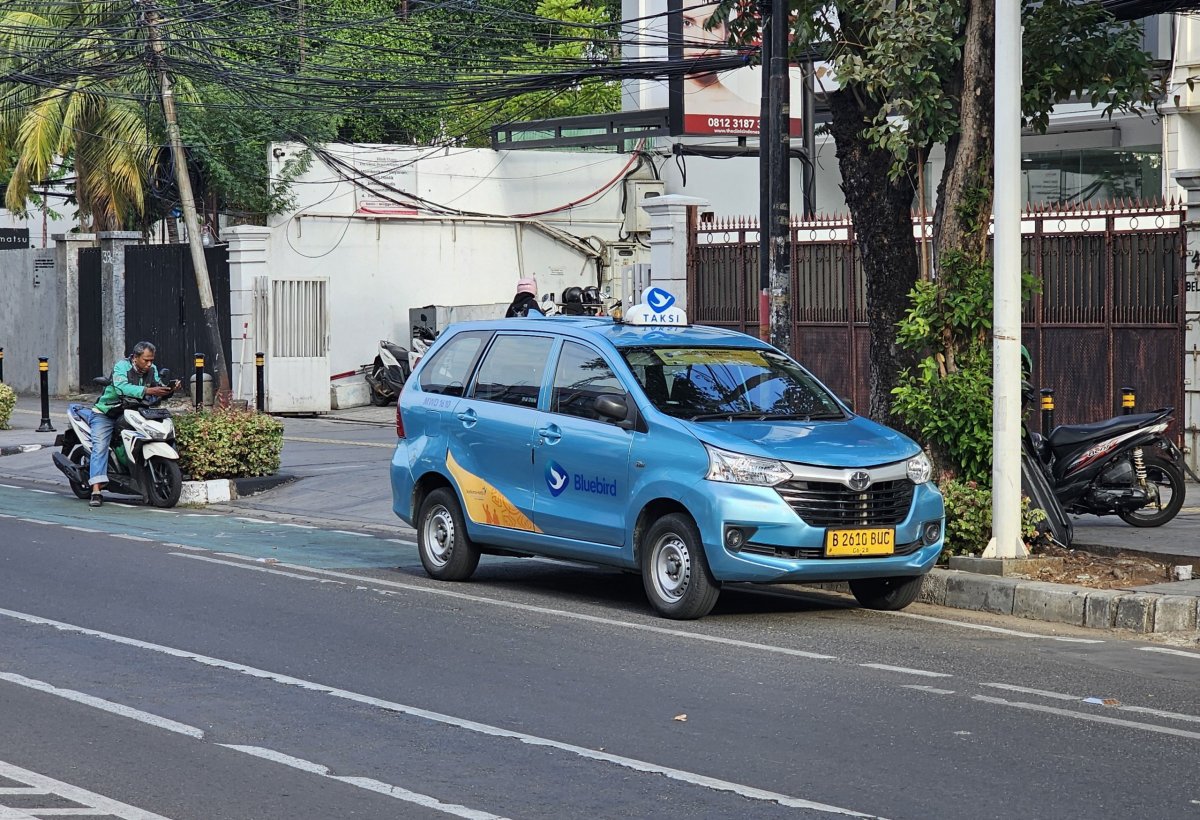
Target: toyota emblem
x=860, y=480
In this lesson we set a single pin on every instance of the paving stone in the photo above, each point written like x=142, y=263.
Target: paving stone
x=1175, y=613
x=1136, y=612
x=1100, y=611
x=1058, y=603
x=981, y=593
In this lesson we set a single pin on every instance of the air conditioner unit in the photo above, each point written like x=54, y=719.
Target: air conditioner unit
x=636, y=192
x=617, y=257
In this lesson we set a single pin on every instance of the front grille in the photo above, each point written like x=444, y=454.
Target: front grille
x=829, y=504
x=813, y=553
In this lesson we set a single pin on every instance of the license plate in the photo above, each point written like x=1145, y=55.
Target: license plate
x=860, y=542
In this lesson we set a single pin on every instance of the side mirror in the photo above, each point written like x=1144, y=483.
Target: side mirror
x=103, y=381
x=613, y=408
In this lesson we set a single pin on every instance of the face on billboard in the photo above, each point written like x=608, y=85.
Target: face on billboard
x=719, y=103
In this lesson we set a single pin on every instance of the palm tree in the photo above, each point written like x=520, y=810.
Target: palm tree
x=71, y=86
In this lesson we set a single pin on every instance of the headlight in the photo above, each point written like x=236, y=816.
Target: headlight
x=919, y=469
x=736, y=468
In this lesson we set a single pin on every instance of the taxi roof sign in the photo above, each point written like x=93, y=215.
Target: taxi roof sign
x=657, y=309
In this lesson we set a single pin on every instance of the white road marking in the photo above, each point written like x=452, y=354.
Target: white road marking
x=339, y=441
x=104, y=705
x=561, y=613
x=284, y=573
x=1026, y=691
x=634, y=764
x=1092, y=717
x=402, y=541
x=357, y=534
x=1145, y=710
x=125, y=537
x=933, y=690
x=32, y=521
x=922, y=672
x=297, y=526
x=43, y=492
x=170, y=545
x=98, y=802
x=252, y=520
x=82, y=529
x=267, y=754
x=986, y=628
x=10, y=486
x=1163, y=649
x=366, y=783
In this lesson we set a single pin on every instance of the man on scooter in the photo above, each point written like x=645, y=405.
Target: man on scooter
x=135, y=378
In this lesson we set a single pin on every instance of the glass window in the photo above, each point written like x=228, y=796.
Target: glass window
x=447, y=371
x=581, y=377
x=512, y=370
x=718, y=383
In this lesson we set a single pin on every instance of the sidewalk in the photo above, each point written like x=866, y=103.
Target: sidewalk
x=340, y=462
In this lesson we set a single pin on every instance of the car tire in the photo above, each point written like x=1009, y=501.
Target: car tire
x=675, y=570
x=446, y=552
x=887, y=594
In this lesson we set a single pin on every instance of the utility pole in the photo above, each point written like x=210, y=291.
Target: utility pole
x=774, y=144
x=187, y=203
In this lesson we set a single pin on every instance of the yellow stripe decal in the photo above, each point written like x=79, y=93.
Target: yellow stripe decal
x=486, y=504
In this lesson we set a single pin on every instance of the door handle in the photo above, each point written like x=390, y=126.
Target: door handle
x=550, y=435
x=468, y=418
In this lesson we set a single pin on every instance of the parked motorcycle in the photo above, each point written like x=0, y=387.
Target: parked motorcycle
x=387, y=374
x=142, y=459
x=1123, y=466
x=423, y=338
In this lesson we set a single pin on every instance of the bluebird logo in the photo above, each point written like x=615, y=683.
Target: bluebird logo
x=556, y=478
x=659, y=299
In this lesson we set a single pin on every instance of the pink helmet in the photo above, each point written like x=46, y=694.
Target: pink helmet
x=527, y=285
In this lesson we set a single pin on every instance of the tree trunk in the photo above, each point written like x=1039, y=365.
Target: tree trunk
x=881, y=210
x=969, y=154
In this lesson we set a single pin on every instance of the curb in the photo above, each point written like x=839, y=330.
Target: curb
x=216, y=491
x=1142, y=612
x=258, y=484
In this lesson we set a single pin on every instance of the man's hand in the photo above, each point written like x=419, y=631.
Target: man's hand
x=158, y=391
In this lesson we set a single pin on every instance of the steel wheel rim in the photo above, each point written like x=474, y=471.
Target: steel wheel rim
x=671, y=567
x=439, y=536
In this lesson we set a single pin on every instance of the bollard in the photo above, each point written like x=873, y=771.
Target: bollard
x=1, y=365
x=199, y=380
x=1128, y=399
x=259, y=384
x=1047, y=411
x=44, y=373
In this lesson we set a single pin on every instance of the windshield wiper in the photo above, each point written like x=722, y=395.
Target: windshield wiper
x=763, y=416
x=730, y=415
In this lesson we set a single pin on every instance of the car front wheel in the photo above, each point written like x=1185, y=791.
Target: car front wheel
x=446, y=552
x=675, y=572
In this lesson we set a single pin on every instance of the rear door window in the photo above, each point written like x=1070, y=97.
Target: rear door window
x=512, y=370
x=448, y=370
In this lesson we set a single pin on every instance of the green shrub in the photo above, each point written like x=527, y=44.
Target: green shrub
x=228, y=444
x=969, y=518
x=8, y=400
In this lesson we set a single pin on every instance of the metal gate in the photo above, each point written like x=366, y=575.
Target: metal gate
x=91, y=330
x=1110, y=313
x=293, y=315
x=162, y=303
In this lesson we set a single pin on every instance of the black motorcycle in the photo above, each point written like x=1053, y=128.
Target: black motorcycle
x=1123, y=466
x=387, y=374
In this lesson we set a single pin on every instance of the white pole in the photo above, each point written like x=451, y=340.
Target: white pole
x=1006, y=324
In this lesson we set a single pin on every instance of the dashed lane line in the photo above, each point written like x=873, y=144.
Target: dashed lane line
x=97, y=803
x=933, y=690
x=267, y=570
x=159, y=722
x=1091, y=717
x=925, y=673
x=634, y=764
x=1167, y=651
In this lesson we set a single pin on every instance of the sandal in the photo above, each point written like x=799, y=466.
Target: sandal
x=96, y=500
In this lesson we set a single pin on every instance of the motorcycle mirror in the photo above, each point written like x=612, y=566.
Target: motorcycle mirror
x=165, y=374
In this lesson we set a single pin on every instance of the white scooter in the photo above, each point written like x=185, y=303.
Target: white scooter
x=387, y=374
x=142, y=459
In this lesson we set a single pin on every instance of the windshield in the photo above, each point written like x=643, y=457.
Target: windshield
x=701, y=383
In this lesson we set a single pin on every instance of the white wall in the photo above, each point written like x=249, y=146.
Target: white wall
x=383, y=258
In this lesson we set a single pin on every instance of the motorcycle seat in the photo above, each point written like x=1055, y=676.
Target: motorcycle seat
x=1067, y=435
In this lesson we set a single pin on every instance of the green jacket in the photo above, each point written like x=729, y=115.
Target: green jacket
x=126, y=381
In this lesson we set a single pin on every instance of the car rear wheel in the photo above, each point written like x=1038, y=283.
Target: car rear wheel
x=888, y=594
x=675, y=572
x=446, y=552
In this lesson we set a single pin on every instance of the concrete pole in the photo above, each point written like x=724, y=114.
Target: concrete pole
x=66, y=262
x=112, y=293
x=248, y=251
x=1189, y=180
x=1006, y=323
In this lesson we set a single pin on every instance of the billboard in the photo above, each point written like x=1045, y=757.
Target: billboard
x=717, y=103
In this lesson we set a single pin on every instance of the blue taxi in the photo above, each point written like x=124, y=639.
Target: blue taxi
x=693, y=455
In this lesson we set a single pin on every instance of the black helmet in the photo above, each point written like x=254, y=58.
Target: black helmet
x=591, y=295
x=572, y=294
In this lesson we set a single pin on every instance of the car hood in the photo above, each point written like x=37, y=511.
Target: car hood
x=853, y=442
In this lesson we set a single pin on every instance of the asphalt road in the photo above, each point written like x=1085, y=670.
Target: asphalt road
x=191, y=665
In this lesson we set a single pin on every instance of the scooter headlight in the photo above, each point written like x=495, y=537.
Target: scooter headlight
x=919, y=469
x=737, y=468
